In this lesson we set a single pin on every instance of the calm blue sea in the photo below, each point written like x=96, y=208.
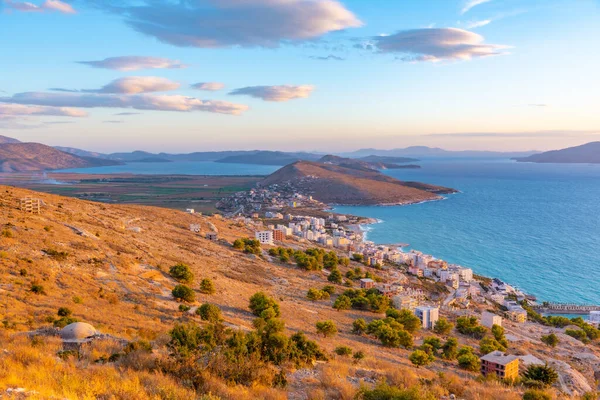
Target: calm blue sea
x=536, y=226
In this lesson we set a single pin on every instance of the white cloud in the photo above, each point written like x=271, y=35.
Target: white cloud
x=134, y=63
x=436, y=44
x=137, y=84
x=12, y=110
x=478, y=24
x=48, y=5
x=276, y=93
x=209, y=86
x=472, y=3
x=226, y=23
x=136, y=101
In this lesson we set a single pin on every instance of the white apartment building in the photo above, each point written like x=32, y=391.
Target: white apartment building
x=428, y=316
x=489, y=319
x=264, y=237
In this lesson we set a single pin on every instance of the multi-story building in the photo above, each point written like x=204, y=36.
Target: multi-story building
x=367, y=283
x=278, y=235
x=264, y=237
x=505, y=366
x=428, y=316
x=405, y=301
x=489, y=319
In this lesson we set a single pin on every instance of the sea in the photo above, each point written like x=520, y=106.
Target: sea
x=535, y=226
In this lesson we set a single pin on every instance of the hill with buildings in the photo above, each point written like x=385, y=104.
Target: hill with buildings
x=21, y=157
x=585, y=154
x=118, y=268
x=351, y=183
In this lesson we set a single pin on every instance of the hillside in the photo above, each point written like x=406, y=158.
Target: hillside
x=109, y=266
x=336, y=184
x=21, y=157
x=585, y=154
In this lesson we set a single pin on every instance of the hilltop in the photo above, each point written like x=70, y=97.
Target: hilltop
x=351, y=184
x=368, y=163
x=585, y=154
x=6, y=139
x=21, y=157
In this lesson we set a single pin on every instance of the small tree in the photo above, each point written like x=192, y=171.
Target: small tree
x=181, y=273
x=184, y=293
x=358, y=356
x=209, y=312
x=467, y=360
x=326, y=328
x=316, y=294
x=542, y=374
x=207, y=286
x=260, y=302
x=329, y=289
x=335, y=276
x=359, y=326
x=443, y=326
x=419, y=358
x=342, y=303
x=550, y=340
x=450, y=349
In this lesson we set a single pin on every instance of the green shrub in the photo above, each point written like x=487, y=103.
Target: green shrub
x=181, y=273
x=467, y=360
x=443, y=326
x=419, y=358
x=207, y=286
x=542, y=374
x=343, y=351
x=329, y=289
x=64, y=312
x=357, y=356
x=184, y=308
x=209, y=312
x=260, y=302
x=359, y=326
x=77, y=300
x=23, y=272
x=326, y=328
x=37, y=288
x=550, y=340
x=316, y=294
x=64, y=321
x=342, y=303
x=138, y=345
x=533, y=394
x=470, y=326
x=57, y=255
x=183, y=293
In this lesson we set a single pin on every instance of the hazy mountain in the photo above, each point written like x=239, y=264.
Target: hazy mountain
x=268, y=158
x=79, y=152
x=361, y=163
x=435, y=152
x=385, y=159
x=20, y=157
x=585, y=154
x=6, y=139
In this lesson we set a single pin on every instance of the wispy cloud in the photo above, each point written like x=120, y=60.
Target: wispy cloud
x=328, y=58
x=227, y=23
x=472, y=3
x=48, y=5
x=128, y=113
x=209, y=86
x=478, y=24
x=22, y=110
x=112, y=122
x=276, y=93
x=58, y=122
x=436, y=44
x=135, y=63
x=136, y=101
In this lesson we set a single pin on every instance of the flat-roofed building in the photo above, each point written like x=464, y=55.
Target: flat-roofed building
x=428, y=316
x=264, y=237
x=489, y=319
x=504, y=366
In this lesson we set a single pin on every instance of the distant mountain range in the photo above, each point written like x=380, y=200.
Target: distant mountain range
x=585, y=154
x=434, y=152
x=23, y=157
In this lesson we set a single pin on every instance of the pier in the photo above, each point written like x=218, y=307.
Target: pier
x=565, y=308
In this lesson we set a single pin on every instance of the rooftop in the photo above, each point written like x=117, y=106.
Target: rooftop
x=499, y=357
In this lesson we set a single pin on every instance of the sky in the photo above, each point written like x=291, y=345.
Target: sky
x=200, y=75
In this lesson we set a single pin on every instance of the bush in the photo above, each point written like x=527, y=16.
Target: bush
x=57, y=255
x=342, y=303
x=577, y=334
x=184, y=293
x=536, y=395
x=450, y=349
x=64, y=312
x=209, y=312
x=64, y=321
x=184, y=308
x=77, y=300
x=181, y=273
x=249, y=246
x=326, y=328
x=467, y=360
x=470, y=326
x=550, y=340
x=207, y=286
x=442, y=326
x=542, y=374
x=316, y=294
x=329, y=289
x=489, y=344
x=261, y=303
x=359, y=355
x=359, y=326
x=37, y=288
x=335, y=276
x=138, y=345
x=411, y=322
x=343, y=351
x=419, y=358
x=23, y=272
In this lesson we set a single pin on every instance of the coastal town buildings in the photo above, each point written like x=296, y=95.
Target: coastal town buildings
x=428, y=316
x=367, y=283
x=264, y=237
x=489, y=319
x=504, y=366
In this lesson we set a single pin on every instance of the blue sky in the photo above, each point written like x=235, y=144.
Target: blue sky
x=501, y=75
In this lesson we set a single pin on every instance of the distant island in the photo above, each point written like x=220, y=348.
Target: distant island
x=585, y=154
